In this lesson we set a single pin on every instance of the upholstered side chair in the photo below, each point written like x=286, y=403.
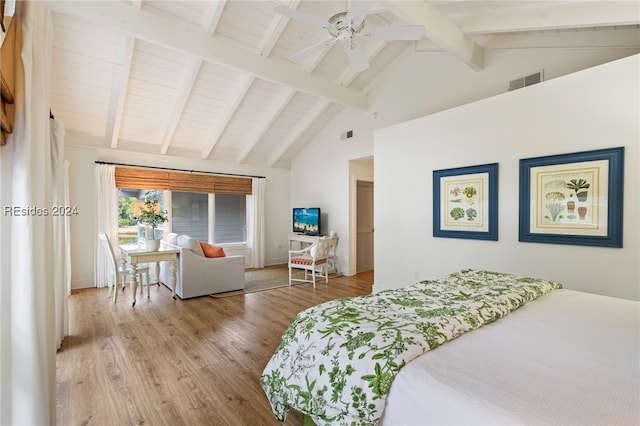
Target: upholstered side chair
x=312, y=259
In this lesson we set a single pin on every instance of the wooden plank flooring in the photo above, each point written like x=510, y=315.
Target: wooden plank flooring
x=184, y=362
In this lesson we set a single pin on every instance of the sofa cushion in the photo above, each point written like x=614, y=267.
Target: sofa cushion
x=306, y=259
x=212, y=251
x=186, y=241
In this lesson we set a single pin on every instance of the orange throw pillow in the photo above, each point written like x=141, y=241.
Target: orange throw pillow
x=211, y=250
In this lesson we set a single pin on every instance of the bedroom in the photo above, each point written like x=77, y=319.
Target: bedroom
x=391, y=111
x=573, y=113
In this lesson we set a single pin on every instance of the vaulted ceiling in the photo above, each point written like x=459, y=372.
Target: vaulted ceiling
x=213, y=79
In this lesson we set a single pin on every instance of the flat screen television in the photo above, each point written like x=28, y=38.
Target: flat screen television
x=306, y=220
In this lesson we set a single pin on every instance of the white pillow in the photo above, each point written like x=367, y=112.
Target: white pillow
x=186, y=241
x=172, y=238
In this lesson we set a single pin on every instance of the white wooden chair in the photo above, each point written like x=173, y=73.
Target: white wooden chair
x=122, y=272
x=313, y=259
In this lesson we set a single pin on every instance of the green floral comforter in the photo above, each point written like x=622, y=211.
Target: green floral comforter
x=336, y=361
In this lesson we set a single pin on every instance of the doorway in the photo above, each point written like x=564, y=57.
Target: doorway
x=364, y=226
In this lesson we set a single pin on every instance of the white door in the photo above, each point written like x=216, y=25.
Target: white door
x=364, y=225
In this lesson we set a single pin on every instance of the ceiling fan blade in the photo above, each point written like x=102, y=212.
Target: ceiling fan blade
x=358, y=10
x=312, y=49
x=302, y=17
x=359, y=61
x=404, y=32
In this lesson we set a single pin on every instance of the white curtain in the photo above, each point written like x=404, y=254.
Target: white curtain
x=61, y=212
x=28, y=293
x=256, y=237
x=106, y=199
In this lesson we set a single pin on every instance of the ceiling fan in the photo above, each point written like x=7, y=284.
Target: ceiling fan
x=346, y=27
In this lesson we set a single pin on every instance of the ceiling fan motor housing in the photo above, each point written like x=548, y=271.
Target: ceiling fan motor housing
x=343, y=22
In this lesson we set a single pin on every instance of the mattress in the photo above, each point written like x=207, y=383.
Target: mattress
x=566, y=358
x=337, y=360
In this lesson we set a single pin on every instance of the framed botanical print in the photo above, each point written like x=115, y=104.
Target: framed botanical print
x=573, y=198
x=465, y=202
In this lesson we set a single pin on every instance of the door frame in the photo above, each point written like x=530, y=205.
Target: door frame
x=353, y=219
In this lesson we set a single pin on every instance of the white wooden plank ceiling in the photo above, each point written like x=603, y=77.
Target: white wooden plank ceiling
x=212, y=79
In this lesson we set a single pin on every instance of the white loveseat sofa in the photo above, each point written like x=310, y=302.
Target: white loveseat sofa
x=198, y=275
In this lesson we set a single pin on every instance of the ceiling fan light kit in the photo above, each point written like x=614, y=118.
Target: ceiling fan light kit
x=345, y=26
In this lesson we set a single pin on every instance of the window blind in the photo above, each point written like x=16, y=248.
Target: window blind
x=132, y=177
x=232, y=185
x=141, y=178
x=190, y=182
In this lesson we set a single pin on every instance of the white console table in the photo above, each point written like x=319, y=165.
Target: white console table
x=300, y=241
x=134, y=254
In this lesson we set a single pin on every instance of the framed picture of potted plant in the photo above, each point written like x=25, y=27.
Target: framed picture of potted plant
x=465, y=202
x=573, y=198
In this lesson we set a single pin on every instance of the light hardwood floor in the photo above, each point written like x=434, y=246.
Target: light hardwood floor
x=183, y=362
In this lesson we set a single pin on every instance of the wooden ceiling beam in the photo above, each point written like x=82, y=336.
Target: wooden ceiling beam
x=213, y=16
x=186, y=87
x=554, y=17
x=229, y=113
x=281, y=104
x=116, y=109
x=441, y=30
x=275, y=30
x=289, y=140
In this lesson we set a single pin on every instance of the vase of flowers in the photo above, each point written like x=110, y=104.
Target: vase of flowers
x=152, y=216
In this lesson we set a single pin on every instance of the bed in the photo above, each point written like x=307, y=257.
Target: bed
x=476, y=347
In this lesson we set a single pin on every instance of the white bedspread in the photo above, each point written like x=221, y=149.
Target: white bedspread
x=567, y=358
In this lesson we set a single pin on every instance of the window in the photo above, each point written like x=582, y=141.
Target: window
x=230, y=218
x=129, y=202
x=190, y=214
x=205, y=206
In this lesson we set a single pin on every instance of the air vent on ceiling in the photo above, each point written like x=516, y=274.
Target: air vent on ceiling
x=527, y=80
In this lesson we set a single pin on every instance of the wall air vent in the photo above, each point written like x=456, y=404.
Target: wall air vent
x=346, y=135
x=527, y=80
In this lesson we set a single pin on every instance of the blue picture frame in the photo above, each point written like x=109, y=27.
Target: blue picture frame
x=574, y=198
x=465, y=202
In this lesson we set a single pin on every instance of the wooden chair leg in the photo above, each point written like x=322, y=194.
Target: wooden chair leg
x=146, y=276
x=115, y=287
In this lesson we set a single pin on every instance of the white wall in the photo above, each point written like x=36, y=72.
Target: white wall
x=418, y=84
x=591, y=109
x=82, y=231
x=424, y=83
x=320, y=177
x=81, y=189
